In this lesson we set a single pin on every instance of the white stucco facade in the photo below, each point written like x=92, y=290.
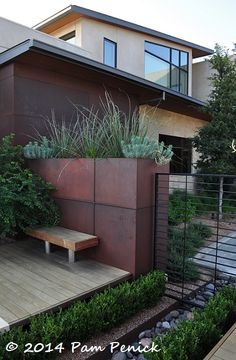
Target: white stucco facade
x=12, y=33
x=130, y=44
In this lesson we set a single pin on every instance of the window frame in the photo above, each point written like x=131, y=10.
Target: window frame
x=171, y=64
x=106, y=40
x=68, y=36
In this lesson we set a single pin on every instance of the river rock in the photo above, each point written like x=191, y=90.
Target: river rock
x=119, y=356
x=208, y=294
x=210, y=287
x=174, y=314
x=146, y=342
x=166, y=325
x=142, y=335
x=148, y=333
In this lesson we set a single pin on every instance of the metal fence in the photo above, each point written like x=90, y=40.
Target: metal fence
x=195, y=231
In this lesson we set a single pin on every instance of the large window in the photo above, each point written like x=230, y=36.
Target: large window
x=109, y=53
x=182, y=158
x=70, y=37
x=166, y=66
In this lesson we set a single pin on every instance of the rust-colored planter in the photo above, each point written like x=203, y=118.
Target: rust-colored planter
x=112, y=198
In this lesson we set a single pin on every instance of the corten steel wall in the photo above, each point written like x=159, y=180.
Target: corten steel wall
x=33, y=85
x=112, y=198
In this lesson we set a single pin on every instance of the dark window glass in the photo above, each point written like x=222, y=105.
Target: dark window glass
x=70, y=37
x=182, y=158
x=166, y=66
x=157, y=70
x=175, y=57
x=110, y=50
x=158, y=50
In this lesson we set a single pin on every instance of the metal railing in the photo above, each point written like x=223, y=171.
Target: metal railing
x=195, y=231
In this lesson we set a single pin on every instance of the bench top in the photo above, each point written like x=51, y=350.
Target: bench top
x=69, y=239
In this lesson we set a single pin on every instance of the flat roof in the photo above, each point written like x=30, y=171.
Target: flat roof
x=197, y=50
x=179, y=103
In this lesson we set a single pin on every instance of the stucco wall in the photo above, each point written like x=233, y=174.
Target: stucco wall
x=201, y=84
x=165, y=122
x=13, y=34
x=130, y=44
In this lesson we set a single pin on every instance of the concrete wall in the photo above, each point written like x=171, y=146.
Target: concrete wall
x=12, y=34
x=130, y=44
x=201, y=83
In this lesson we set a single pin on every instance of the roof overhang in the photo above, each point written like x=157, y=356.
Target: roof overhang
x=73, y=12
x=146, y=91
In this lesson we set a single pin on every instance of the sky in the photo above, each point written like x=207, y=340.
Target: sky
x=204, y=22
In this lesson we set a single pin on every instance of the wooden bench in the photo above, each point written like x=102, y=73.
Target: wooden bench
x=66, y=238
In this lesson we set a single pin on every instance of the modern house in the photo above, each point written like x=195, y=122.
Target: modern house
x=152, y=68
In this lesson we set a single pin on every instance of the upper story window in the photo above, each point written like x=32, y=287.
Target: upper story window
x=166, y=66
x=109, y=53
x=70, y=37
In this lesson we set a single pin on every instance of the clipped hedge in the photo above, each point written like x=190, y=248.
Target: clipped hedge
x=84, y=319
x=193, y=340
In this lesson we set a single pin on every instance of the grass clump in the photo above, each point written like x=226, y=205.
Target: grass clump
x=104, y=133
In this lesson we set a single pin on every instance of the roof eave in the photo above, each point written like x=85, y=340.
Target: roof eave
x=198, y=50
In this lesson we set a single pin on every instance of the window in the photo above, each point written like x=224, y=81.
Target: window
x=166, y=66
x=182, y=158
x=70, y=37
x=109, y=53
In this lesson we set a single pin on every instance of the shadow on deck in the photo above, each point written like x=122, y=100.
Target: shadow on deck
x=32, y=282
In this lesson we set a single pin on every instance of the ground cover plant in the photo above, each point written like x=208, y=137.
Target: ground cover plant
x=85, y=319
x=24, y=197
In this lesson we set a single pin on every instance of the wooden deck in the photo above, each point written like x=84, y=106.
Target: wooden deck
x=226, y=347
x=32, y=282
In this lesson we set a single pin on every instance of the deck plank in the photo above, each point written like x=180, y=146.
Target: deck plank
x=225, y=349
x=32, y=282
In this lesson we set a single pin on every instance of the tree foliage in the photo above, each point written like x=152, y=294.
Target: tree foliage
x=213, y=141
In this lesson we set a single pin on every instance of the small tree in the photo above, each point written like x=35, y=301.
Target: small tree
x=213, y=142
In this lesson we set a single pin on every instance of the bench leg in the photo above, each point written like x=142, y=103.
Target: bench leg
x=47, y=247
x=71, y=254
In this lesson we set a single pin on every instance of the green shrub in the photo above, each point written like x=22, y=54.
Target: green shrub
x=192, y=340
x=182, y=208
x=182, y=245
x=24, y=196
x=85, y=319
x=201, y=231
x=179, y=266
